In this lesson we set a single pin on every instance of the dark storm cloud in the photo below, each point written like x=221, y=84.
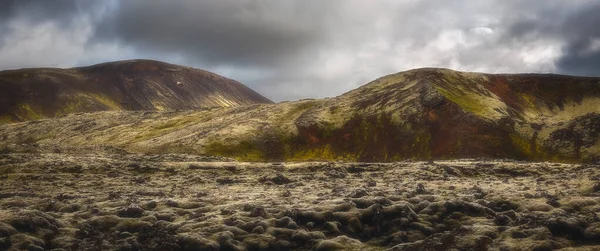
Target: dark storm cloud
x=218, y=32
x=581, y=55
x=576, y=26
x=42, y=10
x=34, y=11
x=44, y=33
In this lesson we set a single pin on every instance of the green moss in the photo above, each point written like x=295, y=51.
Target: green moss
x=114, y=137
x=74, y=104
x=49, y=135
x=532, y=152
x=466, y=91
x=168, y=124
x=296, y=111
x=328, y=129
x=528, y=99
x=373, y=138
x=106, y=101
x=177, y=148
x=324, y=153
x=167, y=127
x=466, y=101
x=420, y=146
x=304, y=106
x=522, y=145
x=27, y=113
x=451, y=76
x=6, y=119
x=243, y=151
x=333, y=110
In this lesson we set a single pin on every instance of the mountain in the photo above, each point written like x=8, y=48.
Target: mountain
x=418, y=114
x=27, y=94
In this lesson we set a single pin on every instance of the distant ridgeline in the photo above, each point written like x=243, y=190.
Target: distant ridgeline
x=418, y=114
x=28, y=94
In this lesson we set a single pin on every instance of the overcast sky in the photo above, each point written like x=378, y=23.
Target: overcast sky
x=292, y=49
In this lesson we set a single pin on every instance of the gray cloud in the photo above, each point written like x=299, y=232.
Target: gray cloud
x=291, y=49
x=37, y=11
x=575, y=26
x=582, y=52
x=39, y=33
x=40, y=10
x=219, y=32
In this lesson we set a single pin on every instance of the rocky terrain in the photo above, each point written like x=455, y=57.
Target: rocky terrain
x=420, y=114
x=119, y=201
x=29, y=94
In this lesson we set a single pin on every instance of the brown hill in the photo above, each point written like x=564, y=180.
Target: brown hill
x=125, y=85
x=418, y=114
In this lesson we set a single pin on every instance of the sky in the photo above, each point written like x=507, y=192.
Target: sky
x=294, y=49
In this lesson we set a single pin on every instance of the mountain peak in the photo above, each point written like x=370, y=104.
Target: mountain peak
x=490, y=96
x=142, y=63
x=122, y=85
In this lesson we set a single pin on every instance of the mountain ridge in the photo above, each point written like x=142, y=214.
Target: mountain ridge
x=418, y=114
x=35, y=93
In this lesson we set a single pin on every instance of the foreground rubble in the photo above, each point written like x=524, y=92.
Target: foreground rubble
x=181, y=202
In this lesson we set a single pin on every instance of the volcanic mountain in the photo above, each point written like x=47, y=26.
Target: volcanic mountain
x=418, y=114
x=27, y=94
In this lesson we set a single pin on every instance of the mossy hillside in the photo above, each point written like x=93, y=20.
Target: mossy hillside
x=466, y=90
x=591, y=154
x=523, y=146
x=289, y=113
x=475, y=142
x=160, y=130
x=106, y=101
x=466, y=101
x=418, y=116
x=27, y=112
x=530, y=102
x=255, y=150
x=72, y=104
x=245, y=150
x=361, y=139
x=258, y=145
x=321, y=153
x=399, y=81
x=396, y=94
x=6, y=119
x=116, y=86
x=86, y=102
x=165, y=127
x=260, y=137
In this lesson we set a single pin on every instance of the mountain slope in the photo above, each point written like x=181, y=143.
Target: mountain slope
x=125, y=85
x=478, y=115
x=418, y=114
